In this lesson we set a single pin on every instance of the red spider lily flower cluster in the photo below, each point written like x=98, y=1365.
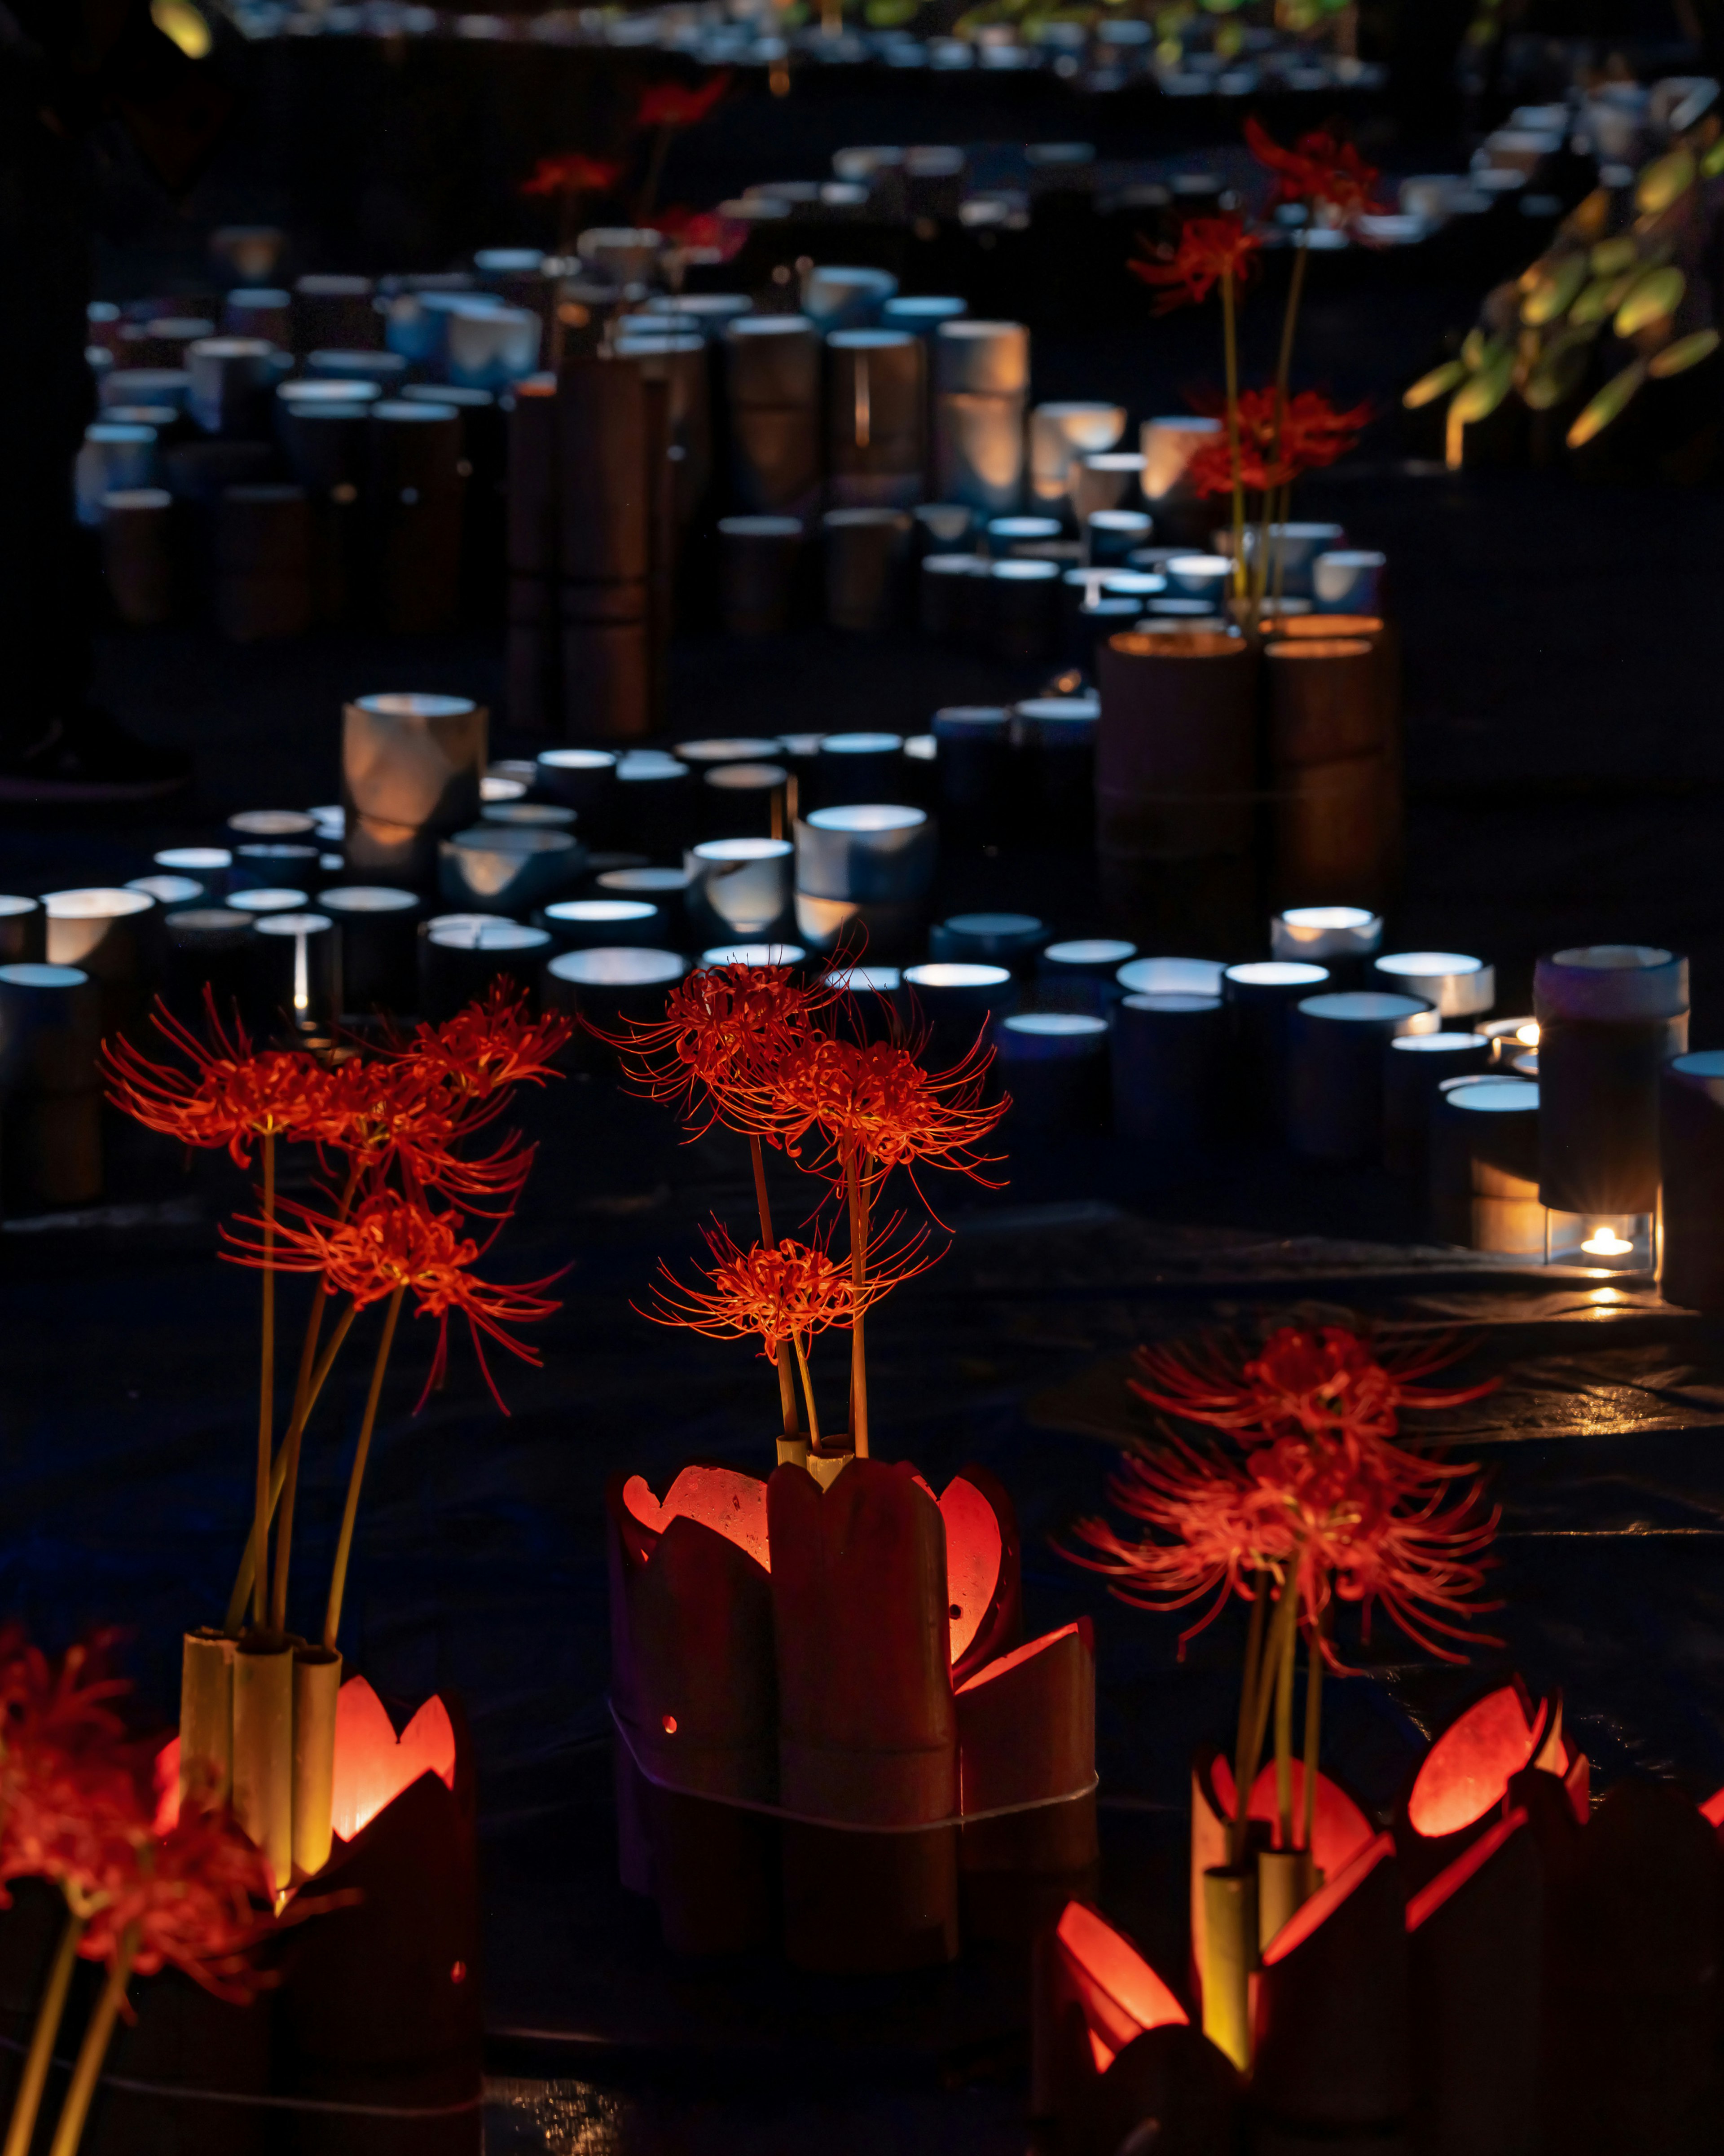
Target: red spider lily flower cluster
x=1210, y=251
x=725, y=1031
x=668, y=105
x=77, y=1807
x=783, y=1292
x=571, y=173
x=1317, y=1500
x=707, y=229
x=1307, y=434
x=229, y=1094
x=1322, y=170
x=395, y=1240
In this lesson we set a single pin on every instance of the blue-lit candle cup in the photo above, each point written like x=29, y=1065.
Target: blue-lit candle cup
x=208, y=866
x=1335, y=1069
x=255, y=904
x=594, y=924
x=1610, y=1016
x=863, y=873
x=1348, y=580
x=1169, y=1054
x=488, y=346
x=1458, y=986
x=498, y=868
x=1081, y=973
x=957, y=1000
x=1053, y=751
x=1414, y=1069
x=296, y=969
x=207, y=947
x=232, y=383
x=109, y=934
x=992, y=939
x=170, y=892
x=50, y=1029
x=1059, y=435
x=666, y=888
x=1293, y=549
x=975, y=772
x=1023, y=611
x=141, y=388
x=270, y=864
x=765, y=957
x=853, y=769
x=1692, y=1148
x=838, y=297
x=23, y=932
x=608, y=986
x=921, y=313
x=377, y=926
x=1172, y=977
x=1484, y=1166
x=515, y=814
x=115, y=458
x=385, y=369
x=739, y=889
x=461, y=955
x=876, y=998
x=1260, y=997
x=261, y=311
x=1206, y=576
x=1004, y=538
x=1112, y=535
x=1054, y=1066
x=952, y=597
x=941, y=527
x=1344, y=938
x=585, y=780
x=655, y=804
x=271, y=826
x=743, y=801
x=1109, y=480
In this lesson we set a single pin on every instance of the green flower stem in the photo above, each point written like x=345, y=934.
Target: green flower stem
x=85, y=2074
x=859, y=1273
x=1313, y=1731
x=344, y=1547
x=1248, y=1712
x=49, y=2013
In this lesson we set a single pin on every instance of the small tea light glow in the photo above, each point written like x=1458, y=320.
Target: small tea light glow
x=1171, y=976
x=283, y=901
x=1459, y=986
x=1617, y=1243
x=1326, y=932
x=754, y=954
x=168, y=890
x=273, y=823
x=201, y=861
x=494, y=788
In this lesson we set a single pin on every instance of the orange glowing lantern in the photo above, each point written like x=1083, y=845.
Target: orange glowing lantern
x=1094, y=1994
x=1466, y=1775
x=983, y=1571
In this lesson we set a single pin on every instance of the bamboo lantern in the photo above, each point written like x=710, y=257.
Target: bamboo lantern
x=1328, y=746
x=1692, y=1148
x=1026, y=1726
x=1476, y=1942
x=1092, y=1995
x=1462, y=1780
x=694, y=1687
x=983, y=1571
x=868, y=1728
x=1330, y=2050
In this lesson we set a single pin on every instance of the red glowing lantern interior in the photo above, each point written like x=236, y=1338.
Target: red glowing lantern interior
x=732, y=1505
x=1712, y=1810
x=972, y=1560
x=1471, y=1860
x=1328, y=1898
x=1340, y=1829
x=1002, y=1663
x=1121, y=1994
x=372, y=1765
x=1468, y=1769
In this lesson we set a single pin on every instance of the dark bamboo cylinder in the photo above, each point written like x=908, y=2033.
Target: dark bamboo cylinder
x=1691, y=1124
x=1415, y=1067
x=1484, y=1165
x=1260, y=998
x=772, y=399
x=1610, y=1017
x=877, y=398
x=1327, y=761
x=1337, y=1047
x=867, y=1726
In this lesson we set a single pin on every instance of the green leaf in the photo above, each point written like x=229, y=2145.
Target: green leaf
x=1609, y=404
x=1664, y=179
x=1554, y=290
x=1437, y=383
x=1686, y=352
x=1651, y=299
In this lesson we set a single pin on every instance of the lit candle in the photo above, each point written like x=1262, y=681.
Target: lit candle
x=739, y=886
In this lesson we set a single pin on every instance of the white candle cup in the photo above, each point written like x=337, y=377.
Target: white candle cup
x=1260, y=997
x=1484, y=1166
x=207, y=947
x=858, y=768
x=411, y=766
x=499, y=868
x=1348, y=580
x=592, y=924
x=1172, y=977
x=257, y=903
x=107, y=934
x=975, y=771
x=50, y=1029
x=1167, y=1055
x=296, y=963
x=739, y=888
x=584, y=779
x=1609, y=1016
x=205, y=865
x=952, y=597
x=264, y=826
x=835, y=296
x=1206, y=576
x=1023, y=611
x=742, y=801
x=1342, y=938
x=1010, y=538
x=271, y=865
x=987, y=939
x=1336, y=1043
x=1054, y=1066
x=1112, y=535
x=655, y=804
x=1081, y=973
x=1059, y=436
x=921, y=313
x=169, y=891
x=1459, y=986
x=462, y=955
x=1107, y=482
x=23, y=932
x=377, y=926
x=490, y=347
x=608, y=985
x=1414, y=1069
x=957, y=1001
x=864, y=868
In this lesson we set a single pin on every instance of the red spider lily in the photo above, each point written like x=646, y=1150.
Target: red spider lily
x=490, y=1045
x=668, y=105
x=1331, y=1385
x=1210, y=251
x=390, y=1241
x=874, y=1105
x=704, y=228
x=1322, y=170
x=785, y=1291
x=197, y=1898
x=724, y=1032
x=571, y=173
x=72, y=1786
x=1359, y=1526
x=379, y=1113
x=231, y=1095
x=1312, y=435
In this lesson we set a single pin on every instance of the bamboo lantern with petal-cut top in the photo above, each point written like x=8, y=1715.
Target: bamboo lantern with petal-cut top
x=1457, y=1789
x=1476, y=1946
x=694, y=1693
x=868, y=1731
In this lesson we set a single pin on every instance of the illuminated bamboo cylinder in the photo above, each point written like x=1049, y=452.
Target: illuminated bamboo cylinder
x=1261, y=998
x=411, y=766
x=1054, y=1066
x=864, y=866
x=206, y=1716
x=137, y=555
x=980, y=390
x=759, y=563
x=876, y=398
x=1609, y=1017
x=585, y=780
x=23, y=932
x=461, y=955
x=975, y=768
x=1337, y=1045
x=105, y=934
x=772, y=396
x=1061, y=435
x=1167, y=1046
x=1327, y=751
x=207, y=946
x=332, y=312
x=1484, y=1165
x=263, y=1752
x=1414, y=1069
x=378, y=929
x=1082, y=973
x=739, y=887
x=867, y=553
x=1054, y=768
x=316, y=1687
x=296, y=961
x=1344, y=938
x=1167, y=446
x=868, y=1730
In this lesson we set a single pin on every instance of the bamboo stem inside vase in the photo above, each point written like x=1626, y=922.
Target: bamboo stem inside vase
x=1229, y=1955
x=206, y=1716
x=316, y=1689
x=263, y=1750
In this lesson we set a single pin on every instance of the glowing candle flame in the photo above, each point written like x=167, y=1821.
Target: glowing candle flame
x=1527, y=1035
x=1606, y=1243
